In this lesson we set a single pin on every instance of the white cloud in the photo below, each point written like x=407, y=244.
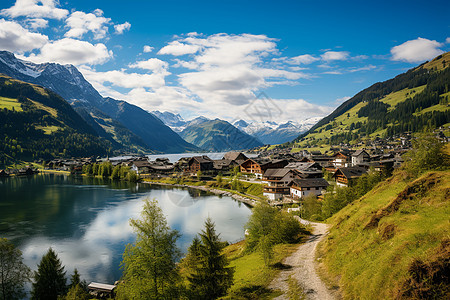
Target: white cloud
x=447, y=40
x=35, y=9
x=417, y=50
x=151, y=64
x=35, y=24
x=81, y=23
x=176, y=48
x=125, y=80
x=303, y=59
x=70, y=51
x=228, y=69
x=15, y=38
x=365, y=68
x=341, y=100
x=148, y=49
x=335, y=55
x=121, y=28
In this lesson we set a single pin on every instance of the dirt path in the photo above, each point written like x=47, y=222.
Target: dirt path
x=302, y=268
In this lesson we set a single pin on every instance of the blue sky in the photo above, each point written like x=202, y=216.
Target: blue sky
x=213, y=58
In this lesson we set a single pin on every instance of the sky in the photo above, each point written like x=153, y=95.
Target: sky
x=252, y=60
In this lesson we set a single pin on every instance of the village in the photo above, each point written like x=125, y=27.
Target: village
x=285, y=177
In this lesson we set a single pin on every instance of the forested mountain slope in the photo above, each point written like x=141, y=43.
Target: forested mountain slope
x=409, y=102
x=36, y=123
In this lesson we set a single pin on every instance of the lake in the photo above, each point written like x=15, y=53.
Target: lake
x=86, y=220
x=175, y=157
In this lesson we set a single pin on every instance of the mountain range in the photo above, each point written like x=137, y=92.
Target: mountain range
x=127, y=125
x=267, y=132
x=217, y=135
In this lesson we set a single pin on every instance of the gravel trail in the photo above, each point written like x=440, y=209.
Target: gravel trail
x=301, y=266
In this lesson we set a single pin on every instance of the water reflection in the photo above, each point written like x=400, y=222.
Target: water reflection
x=86, y=219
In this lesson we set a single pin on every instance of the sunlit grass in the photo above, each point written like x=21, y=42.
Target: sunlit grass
x=356, y=253
x=10, y=104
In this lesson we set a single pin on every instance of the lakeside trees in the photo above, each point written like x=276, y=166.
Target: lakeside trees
x=105, y=169
x=210, y=277
x=13, y=272
x=49, y=280
x=149, y=264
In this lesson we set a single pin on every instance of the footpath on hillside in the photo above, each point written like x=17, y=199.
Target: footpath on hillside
x=301, y=266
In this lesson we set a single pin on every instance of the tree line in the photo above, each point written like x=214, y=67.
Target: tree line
x=151, y=266
x=106, y=170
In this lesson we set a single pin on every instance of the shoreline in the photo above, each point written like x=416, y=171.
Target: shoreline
x=237, y=197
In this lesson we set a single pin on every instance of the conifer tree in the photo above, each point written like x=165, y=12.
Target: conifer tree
x=49, y=280
x=212, y=277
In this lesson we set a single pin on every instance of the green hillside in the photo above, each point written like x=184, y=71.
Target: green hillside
x=218, y=135
x=394, y=242
x=409, y=102
x=38, y=124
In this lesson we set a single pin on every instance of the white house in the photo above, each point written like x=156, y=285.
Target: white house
x=303, y=187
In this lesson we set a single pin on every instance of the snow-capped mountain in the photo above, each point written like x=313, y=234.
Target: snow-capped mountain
x=270, y=132
x=176, y=122
x=116, y=120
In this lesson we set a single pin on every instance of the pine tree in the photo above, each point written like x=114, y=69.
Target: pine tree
x=212, y=277
x=13, y=272
x=49, y=280
x=149, y=265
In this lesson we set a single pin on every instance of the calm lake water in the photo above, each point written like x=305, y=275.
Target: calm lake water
x=86, y=220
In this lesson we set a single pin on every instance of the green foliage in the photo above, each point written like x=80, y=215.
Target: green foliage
x=77, y=292
x=342, y=196
x=427, y=154
x=149, y=269
x=49, y=280
x=199, y=175
x=105, y=169
x=268, y=226
x=211, y=278
x=311, y=208
x=14, y=273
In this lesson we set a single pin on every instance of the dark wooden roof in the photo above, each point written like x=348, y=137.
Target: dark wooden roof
x=351, y=172
x=311, y=182
x=233, y=155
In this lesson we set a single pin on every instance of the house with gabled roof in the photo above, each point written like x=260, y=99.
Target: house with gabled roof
x=360, y=157
x=301, y=188
x=258, y=166
x=278, y=181
x=236, y=157
x=200, y=163
x=347, y=175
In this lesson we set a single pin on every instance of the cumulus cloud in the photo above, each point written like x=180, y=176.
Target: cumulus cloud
x=35, y=9
x=15, y=38
x=335, y=55
x=303, y=59
x=447, y=40
x=417, y=50
x=151, y=64
x=125, y=80
x=148, y=49
x=176, y=48
x=35, y=24
x=70, y=51
x=121, y=28
x=81, y=23
x=228, y=69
